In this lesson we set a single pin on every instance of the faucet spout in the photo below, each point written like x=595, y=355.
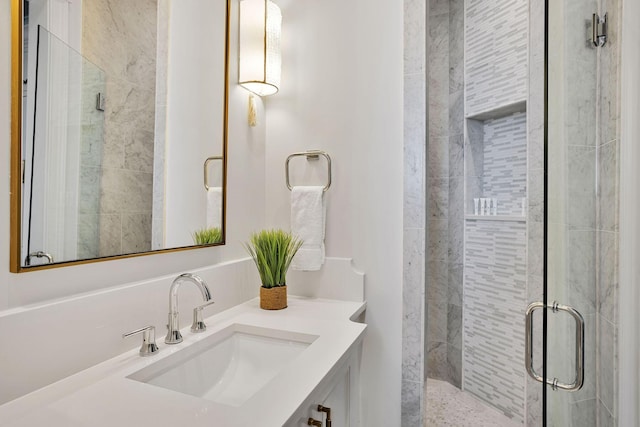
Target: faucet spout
x=173, y=328
x=173, y=290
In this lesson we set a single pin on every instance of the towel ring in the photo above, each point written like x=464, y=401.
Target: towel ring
x=310, y=155
x=206, y=175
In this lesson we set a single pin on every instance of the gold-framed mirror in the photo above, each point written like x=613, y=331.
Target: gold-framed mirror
x=118, y=129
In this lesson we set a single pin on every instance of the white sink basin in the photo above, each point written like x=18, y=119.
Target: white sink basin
x=228, y=367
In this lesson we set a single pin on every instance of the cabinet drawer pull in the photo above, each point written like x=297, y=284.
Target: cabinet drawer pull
x=314, y=423
x=326, y=411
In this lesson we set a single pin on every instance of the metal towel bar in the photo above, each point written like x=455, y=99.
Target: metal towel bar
x=310, y=155
x=206, y=175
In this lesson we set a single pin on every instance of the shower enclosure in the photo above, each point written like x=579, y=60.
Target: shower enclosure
x=521, y=206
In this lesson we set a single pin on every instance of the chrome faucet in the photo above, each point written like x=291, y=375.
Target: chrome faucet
x=173, y=334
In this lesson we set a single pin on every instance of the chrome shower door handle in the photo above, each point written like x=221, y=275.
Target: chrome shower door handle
x=528, y=342
x=579, y=356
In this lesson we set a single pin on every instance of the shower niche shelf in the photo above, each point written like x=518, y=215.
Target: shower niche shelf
x=499, y=111
x=496, y=160
x=516, y=218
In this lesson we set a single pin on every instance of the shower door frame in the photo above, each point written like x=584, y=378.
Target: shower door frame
x=629, y=269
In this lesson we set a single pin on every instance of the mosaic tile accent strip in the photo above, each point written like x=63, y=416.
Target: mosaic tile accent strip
x=505, y=162
x=494, y=301
x=496, y=34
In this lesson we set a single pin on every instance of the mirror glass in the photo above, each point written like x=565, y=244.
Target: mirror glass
x=123, y=132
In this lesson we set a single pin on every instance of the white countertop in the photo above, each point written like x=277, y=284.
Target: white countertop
x=103, y=396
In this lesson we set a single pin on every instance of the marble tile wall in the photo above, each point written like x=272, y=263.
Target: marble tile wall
x=126, y=51
x=445, y=191
x=496, y=157
x=498, y=162
x=162, y=61
x=415, y=127
x=607, y=280
x=495, y=289
x=495, y=265
x=91, y=145
x=446, y=187
x=505, y=162
x=535, y=198
x=496, y=53
x=456, y=192
x=438, y=191
x=607, y=220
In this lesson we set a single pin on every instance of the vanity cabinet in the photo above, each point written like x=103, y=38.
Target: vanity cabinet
x=337, y=401
x=339, y=392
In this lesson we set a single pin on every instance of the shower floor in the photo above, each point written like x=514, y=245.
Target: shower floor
x=449, y=406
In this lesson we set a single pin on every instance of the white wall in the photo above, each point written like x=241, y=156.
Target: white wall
x=342, y=92
x=193, y=104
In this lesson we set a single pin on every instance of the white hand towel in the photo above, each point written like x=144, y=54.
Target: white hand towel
x=307, y=223
x=214, y=207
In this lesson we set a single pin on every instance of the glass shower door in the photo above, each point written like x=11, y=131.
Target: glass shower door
x=580, y=214
x=63, y=154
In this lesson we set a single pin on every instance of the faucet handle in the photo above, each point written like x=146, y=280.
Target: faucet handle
x=198, y=324
x=149, y=346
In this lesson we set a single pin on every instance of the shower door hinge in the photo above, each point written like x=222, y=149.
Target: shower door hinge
x=599, y=28
x=100, y=101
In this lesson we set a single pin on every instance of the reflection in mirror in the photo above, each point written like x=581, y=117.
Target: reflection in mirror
x=120, y=112
x=212, y=233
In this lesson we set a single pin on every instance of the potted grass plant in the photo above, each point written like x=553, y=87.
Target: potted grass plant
x=207, y=236
x=272, y=252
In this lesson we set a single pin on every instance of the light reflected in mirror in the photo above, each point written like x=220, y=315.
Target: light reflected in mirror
x=122, y=104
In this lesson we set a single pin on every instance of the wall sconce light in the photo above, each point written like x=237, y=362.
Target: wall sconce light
x=260, y=60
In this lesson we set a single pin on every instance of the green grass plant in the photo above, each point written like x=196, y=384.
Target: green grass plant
x=272, y=252
x=207, y=236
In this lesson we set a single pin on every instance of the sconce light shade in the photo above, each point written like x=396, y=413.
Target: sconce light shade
x=260, y=61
